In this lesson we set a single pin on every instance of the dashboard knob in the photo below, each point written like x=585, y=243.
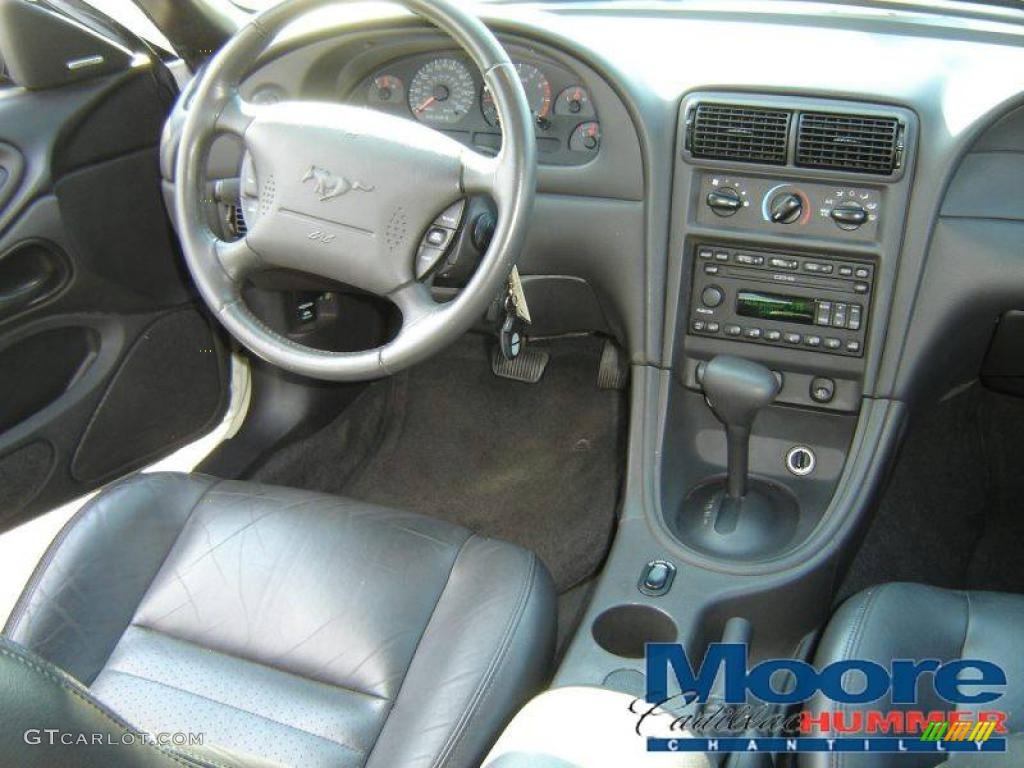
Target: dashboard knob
x=725, y=201
x=712, y=296
x=849, y=216
x=786, y=207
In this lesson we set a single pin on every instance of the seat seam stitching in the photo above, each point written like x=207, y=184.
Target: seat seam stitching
x=304, y=678
x=419, y=643
x=238, y=709
x=66, y=685
x=484, y=688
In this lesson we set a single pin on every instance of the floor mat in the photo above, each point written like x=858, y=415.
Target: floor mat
x=951, y=515
x=539, y=465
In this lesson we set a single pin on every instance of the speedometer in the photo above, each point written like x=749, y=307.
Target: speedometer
x=442, y=92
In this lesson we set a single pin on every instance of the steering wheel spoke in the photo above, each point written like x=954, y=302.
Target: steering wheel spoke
x=480, y=173
x=415, y=303
x=236, y=257
x=236, y=116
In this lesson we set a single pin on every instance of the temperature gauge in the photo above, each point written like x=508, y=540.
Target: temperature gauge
x=386, y=89
x=586, y=138
x=574, y=101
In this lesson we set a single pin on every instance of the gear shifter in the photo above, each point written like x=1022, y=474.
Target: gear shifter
x=737, y=389
x=738, y=516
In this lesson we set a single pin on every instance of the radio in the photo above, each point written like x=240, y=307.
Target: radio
x=815, y=303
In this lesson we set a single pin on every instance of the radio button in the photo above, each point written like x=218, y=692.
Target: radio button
x=853, y=346
x=792, y=338
x=733, y=330
x=699, y=325
x=712, y=296
x=747, y=258
x=833, y=343
x=813, y=341
x=855, y=317
x=721, y=256
x=752, y=333
x=862, y=273
x=839, y=316
x=713, y=327
x=845, y=271
x=705, y=253
x=860, y=287
x=772, y=335
x=815, y=266
x=710, y=269
x=823, y=390
x=780, y=263
x=824, y=315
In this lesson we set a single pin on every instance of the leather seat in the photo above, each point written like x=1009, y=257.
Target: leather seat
x=290, y=628
x=914, y=621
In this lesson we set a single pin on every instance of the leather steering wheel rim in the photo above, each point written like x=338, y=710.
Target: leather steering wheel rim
x=398, y=175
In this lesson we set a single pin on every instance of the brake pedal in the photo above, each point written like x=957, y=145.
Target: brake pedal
x=613, y=373
x=527, y=367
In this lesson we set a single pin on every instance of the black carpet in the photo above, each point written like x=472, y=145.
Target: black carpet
x=539, y=465
x=952, y=514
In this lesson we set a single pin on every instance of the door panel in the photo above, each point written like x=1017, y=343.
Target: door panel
x=107, y=359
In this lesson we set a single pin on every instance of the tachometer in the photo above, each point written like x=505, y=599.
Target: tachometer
x=538, y=94
x=442, y=92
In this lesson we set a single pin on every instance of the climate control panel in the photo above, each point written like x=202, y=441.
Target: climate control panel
x=815, y=303
x=849, y=212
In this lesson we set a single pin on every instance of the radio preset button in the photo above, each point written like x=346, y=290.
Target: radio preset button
x=710, y=269
x=773, y=335
x=747, y=258
x=705, y=253
x=813, y=341
x=780, y=263
x=699, y=325
x=816, y=266
x=752, y=333
x=855, y=317
x=792, y=338
x=733, y=330
x=860, y=287
x=845, y=271
x=853, y=346
x=713, y=327
x=824, y=314
x=862, y=273
x=721, y=256
x=833, y=343
x=839, y=316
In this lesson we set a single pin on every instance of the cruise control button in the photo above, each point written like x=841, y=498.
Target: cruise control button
x=793, y=338
x=437, y=236
x=733, y=330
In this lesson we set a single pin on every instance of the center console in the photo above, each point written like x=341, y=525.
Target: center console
x=762, y=443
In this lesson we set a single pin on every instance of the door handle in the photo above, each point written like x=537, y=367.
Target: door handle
x=29, y=274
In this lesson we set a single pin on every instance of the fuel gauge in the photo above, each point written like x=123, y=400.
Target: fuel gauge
x=586, y=137
x=387, y=89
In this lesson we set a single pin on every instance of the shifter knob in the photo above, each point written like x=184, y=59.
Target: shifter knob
x=737, y=389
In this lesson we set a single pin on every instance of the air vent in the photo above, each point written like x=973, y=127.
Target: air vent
x=733, y=132
x=853, y=143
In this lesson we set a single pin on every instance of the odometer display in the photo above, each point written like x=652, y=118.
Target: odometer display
x=442, y=92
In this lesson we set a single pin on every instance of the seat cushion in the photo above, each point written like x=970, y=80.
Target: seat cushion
x=295, y=627
x=914, y=621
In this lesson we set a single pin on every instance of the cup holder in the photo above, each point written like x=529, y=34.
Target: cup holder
x=625, y=629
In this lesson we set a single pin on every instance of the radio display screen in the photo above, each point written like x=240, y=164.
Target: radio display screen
x=773, y=306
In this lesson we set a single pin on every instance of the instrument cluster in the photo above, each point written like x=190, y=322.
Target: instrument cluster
x=446, y=92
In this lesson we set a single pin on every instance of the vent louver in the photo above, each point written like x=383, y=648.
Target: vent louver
x=734, y=132
x=849, y=143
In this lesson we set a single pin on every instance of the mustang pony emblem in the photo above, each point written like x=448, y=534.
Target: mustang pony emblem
x=327, y=186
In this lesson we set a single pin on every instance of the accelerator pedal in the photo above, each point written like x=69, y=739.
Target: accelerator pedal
x=528, y=366
x=613, y=372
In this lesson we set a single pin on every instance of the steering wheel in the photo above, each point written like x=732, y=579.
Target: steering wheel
x=347, y=193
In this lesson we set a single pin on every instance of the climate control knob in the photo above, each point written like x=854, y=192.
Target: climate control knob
x=725, y=201
x=849, y=216
x=785, y=208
